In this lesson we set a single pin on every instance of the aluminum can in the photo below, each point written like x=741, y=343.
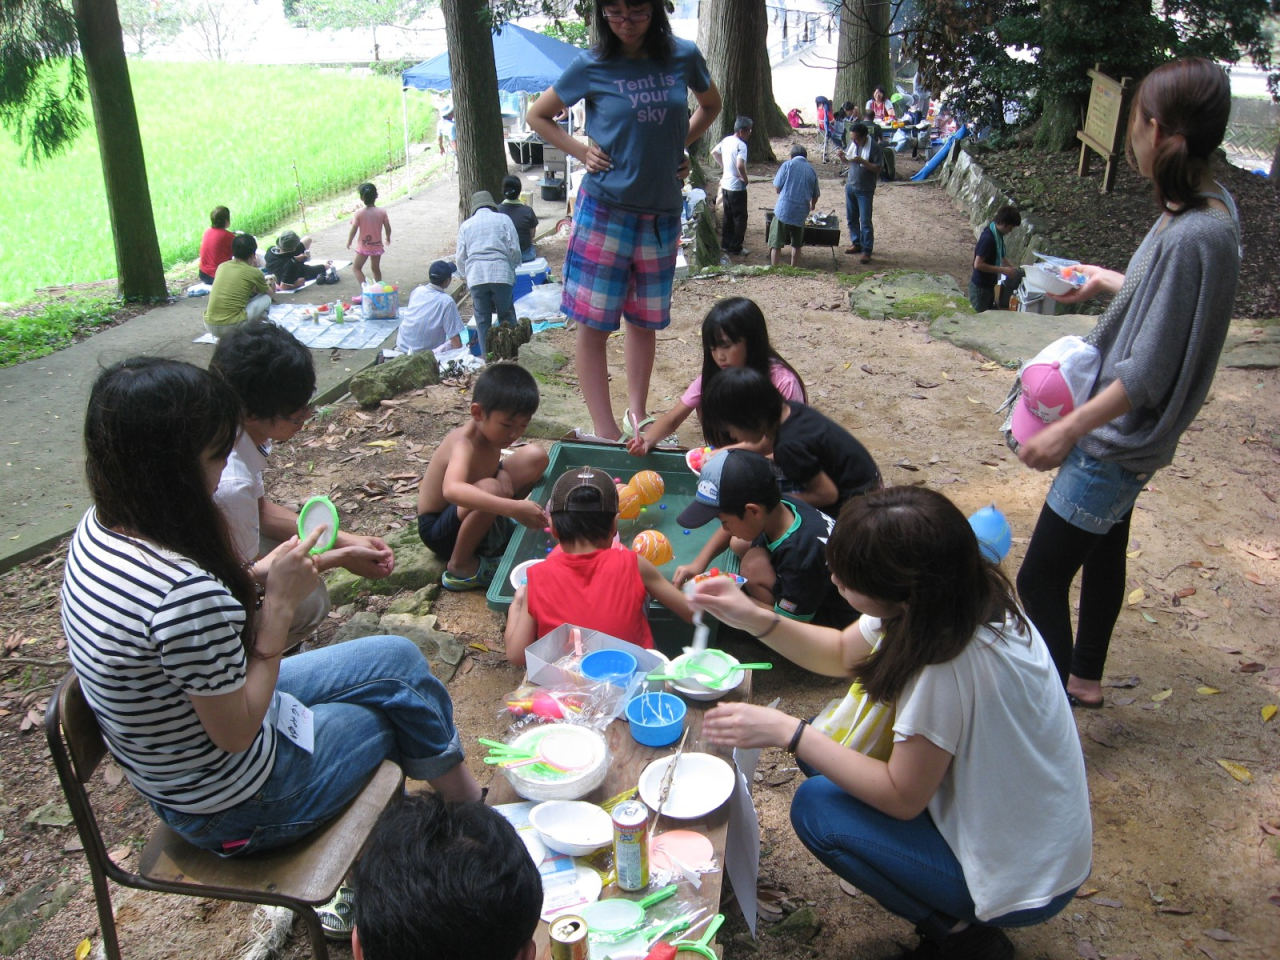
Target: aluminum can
x=568, y=936
x=631, y=845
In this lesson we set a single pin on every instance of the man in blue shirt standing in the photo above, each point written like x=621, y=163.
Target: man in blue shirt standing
x=798, y=192
x=866, y=157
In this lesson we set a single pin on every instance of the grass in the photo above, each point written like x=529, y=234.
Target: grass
x=52, y=327
x=213, y=134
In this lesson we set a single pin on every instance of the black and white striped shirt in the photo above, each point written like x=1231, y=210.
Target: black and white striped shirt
x=147, y=630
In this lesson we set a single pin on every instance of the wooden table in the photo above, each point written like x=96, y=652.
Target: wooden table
x=627, y=761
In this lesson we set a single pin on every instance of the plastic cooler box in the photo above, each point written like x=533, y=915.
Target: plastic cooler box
x=535, y=272
x=670, y=634
x=377, y=303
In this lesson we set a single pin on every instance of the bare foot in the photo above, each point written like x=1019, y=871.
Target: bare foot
x=1088, y=692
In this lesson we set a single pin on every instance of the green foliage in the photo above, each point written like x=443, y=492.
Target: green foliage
x=40, y=91
x=147, y=22
x=355, y=14
x=228, y=152
x=52, y=327
x=570, y=31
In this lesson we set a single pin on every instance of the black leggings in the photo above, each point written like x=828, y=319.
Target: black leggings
x=1056, y=553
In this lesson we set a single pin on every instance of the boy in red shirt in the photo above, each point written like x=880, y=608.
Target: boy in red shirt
x=589, y=581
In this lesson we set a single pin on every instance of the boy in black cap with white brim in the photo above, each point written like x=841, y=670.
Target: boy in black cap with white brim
x=431, y=317
x=782, y=541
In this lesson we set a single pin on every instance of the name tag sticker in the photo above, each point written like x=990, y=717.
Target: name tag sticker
x=296, y=721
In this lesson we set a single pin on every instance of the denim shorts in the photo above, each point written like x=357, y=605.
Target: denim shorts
x=1092, y=494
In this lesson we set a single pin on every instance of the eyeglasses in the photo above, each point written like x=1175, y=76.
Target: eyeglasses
x=628, y=17
x=299, y=421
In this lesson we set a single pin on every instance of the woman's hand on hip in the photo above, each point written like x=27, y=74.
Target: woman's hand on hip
x=747, y=725
x=596, y=160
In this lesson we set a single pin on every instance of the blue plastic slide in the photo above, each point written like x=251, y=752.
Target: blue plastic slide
x=936, y=160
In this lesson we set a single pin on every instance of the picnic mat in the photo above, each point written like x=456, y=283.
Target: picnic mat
x=355, y=334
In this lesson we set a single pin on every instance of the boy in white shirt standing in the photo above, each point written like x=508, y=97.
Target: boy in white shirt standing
x=731, y=154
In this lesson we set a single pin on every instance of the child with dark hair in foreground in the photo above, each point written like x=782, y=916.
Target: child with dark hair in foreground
x=588, y=582
x=444, y=881
x=469, y=491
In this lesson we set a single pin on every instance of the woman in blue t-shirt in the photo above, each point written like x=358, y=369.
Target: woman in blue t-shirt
x=626, y=232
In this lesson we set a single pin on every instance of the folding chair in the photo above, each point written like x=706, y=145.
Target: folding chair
x=300, y=876
x=826, y=119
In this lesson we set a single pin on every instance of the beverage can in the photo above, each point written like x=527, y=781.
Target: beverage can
x=568, y=938
x=631, y=845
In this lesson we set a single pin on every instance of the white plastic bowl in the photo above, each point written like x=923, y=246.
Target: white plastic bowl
x=1046, y=280
x=694, y=689
x=520, y=572
x=572, y=826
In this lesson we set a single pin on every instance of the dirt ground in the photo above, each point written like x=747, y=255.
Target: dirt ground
x=1187, y=858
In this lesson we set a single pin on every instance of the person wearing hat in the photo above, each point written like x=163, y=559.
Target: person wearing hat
x=488, y=254
x=287, y=261
x=782, y=542
x=521, y=214
x=589, y=580
x=431, y=317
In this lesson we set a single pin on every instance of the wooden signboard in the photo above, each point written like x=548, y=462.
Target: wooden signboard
x=1103, y=124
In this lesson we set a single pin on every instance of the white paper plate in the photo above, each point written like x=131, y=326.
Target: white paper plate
x=569, y=896
x=701, y=784
x=520, y=572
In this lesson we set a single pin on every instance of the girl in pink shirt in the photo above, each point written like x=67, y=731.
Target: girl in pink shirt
x=734, y=334
x=369, y=225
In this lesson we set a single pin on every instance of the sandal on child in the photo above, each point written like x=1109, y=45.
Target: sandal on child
x=586, y=436
x=337, y=917
x=458, y=584
x=632, y=428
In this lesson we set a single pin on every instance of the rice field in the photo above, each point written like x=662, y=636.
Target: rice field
x=213, y=134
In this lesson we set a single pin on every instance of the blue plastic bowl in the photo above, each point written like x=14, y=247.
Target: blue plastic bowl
x=656, y=718
x=609, y=666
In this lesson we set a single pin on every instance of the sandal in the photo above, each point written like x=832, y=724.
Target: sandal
x=337, y=917
x=586, y=436
x=630, y=427
x=457, y=584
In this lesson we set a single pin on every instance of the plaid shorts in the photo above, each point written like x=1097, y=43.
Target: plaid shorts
x=620, y=265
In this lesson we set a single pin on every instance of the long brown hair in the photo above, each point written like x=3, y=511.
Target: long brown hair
x=912, y=547
x=149, y=422
x=1190, y=101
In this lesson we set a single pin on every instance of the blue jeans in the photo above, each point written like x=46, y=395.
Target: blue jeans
x=905, y=864
x=528, y=254
x=857, y=210
x=374, y=698
x=488, y=299
x=1092, y=494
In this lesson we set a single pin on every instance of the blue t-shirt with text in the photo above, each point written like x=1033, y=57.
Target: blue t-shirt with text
x=637, y=112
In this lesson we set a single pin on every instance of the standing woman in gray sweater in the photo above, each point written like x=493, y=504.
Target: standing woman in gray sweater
x=1160, y=339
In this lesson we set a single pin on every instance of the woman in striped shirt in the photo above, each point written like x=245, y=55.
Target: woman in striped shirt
x=178, y=645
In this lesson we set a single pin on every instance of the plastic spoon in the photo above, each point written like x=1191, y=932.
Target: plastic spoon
x=700, y=945
x=556, y=751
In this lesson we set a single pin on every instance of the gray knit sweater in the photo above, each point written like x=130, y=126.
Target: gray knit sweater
x=1165, y=346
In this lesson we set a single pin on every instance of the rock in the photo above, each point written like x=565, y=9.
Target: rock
x=1008, y=336
x=802, y=926
x=416, y=567
x=560, y=410
x=52, y=814
x=443, y=650
x=20, y=917
x=916, y=296
x=390, y=379
x=504, y=341
x=541, y=358
x=418, y=603
x=1252, y=347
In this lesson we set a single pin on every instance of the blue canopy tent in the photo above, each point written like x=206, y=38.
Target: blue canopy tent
x=527, y=62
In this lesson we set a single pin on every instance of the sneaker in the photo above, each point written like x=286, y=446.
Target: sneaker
x=456, y=584
x=975, y=942
x=865, y=258
x=853, y=248
x=744, y=252
x=337, y=917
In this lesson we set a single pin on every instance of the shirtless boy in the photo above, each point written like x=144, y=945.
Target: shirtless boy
x=468, y=491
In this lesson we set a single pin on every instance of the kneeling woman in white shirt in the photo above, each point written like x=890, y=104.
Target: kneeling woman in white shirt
x=980, y=818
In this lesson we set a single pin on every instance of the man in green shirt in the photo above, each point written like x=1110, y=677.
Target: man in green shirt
x=240, y=292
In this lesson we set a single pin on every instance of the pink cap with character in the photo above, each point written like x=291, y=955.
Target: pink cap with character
x=1058, y=380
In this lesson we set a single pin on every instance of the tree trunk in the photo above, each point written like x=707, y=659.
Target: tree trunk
x=1275, y=166
x=139, y=268
x=736, y=36
x=862, y=56
x=482, y=160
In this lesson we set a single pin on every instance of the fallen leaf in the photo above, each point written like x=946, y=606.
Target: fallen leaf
x=1268, y=712
x=1162, y=695
x=383, y=444
x=1122, y=683
x=1104, y=902
x=866, y=368
x=113, y=775
x=1252, y=666
x=1237, y=771
x=1274, y=899
x=1220, y=935
x=1134, y=554
x=1148, y=617
x=1137, y=596
x=1087, y=950
x=1223, y=824
x=1255, y=578
x=1195, y=612
x=83, y=948
x=926, y=384
x=971, y=400
x=1174, y=908
x=1270, y=826
x=479, y=646
x=1207, y=691
x=1185, y=592
x=1124, y=701
x=1206, y=951
x=1262, y=554
x=1100, y=739
x=119, y=855
x=1085, y=892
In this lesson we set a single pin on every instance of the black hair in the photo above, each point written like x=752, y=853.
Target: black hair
x=799, y=150
x=244, y=246
x=445, y=881
x=148, y=424
x=739, y=320
x=765, y=494
x=219, y=217
x=506, y=388
x=268, y=368
x=859, y=129
x=743, y=123
x=368, y=193
x=911, y=546
x=880, y=90
x=848, y=106
x=510, y=187
x=659, y=41
x=740, y=398
x=1190, y=101
x=1008, y=215
x=583, y=526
